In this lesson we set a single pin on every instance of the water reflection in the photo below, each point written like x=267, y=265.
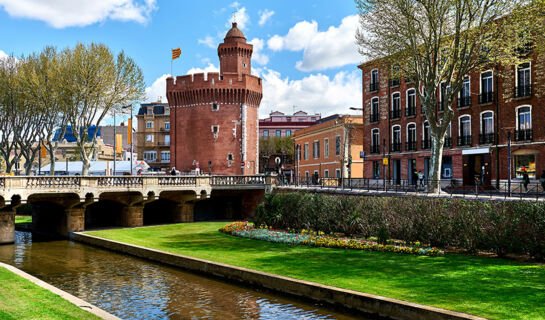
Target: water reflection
x=132, y=288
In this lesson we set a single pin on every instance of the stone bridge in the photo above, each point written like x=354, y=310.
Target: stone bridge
x=64, y=204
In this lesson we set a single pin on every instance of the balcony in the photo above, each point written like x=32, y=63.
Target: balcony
x=410, y=111
x=375, y=149
x=448, y=142
x=486, y=138
x=523, y=91
x=486, y=97
x=374, y=117
x=410, y=146
x=395, y=114
x=524, y=135
x=395, y=83
x=395, y=147
x=426, y=144
x=373, y=87
x=464, y=141
x=464, y=102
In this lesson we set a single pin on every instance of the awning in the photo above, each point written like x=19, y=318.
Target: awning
x=475, y=151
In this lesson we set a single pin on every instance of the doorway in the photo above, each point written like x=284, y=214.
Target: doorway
x=397, y=171
x=477, y=169
x=411, y=167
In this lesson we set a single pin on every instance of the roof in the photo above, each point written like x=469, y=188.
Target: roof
x=158, y=108
x=234, y=35
x=69, y=136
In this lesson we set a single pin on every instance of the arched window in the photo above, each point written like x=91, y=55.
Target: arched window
x=411, y=103
x=396, y=138
x=426, y=137
x=524, y=123
x=523, y=81
x=375, y=141
x=396, y=106
x=487, y=128
x=374, y=110
x=373, y=86
x=411, y=136
x=464, y=138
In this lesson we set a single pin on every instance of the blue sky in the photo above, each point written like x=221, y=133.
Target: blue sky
x=304, y=50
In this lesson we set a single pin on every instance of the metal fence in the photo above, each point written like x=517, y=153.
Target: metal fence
x=236, y=180
x=177, y=181
x=514, y=190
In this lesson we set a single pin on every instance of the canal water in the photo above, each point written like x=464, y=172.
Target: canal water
x=132, y=288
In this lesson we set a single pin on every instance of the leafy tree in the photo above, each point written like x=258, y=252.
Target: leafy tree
x=440, y=41
x=96, y=83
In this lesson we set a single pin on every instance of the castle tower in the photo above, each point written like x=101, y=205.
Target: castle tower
x=214, y=117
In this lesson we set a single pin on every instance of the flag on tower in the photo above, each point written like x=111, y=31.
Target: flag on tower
x=176, y=53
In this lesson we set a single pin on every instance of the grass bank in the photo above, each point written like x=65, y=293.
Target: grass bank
x=22, y=299
x=23, y=219
x=492, y=288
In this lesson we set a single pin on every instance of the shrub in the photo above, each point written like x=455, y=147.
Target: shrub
x=496, y=226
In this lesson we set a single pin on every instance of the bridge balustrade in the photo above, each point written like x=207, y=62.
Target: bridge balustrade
x=178, y=181
x=2, y=182
x=40, y=182
x=120, y=182
x=236, y=180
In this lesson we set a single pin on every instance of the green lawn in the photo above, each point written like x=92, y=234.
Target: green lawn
x=22, y=299
x=488, y=287
x=23, y=219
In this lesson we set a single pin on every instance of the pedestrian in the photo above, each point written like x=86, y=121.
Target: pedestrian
x=421, y=178
x=415, y=177
x=525, y=178
x=173, y=171
x=542, y=180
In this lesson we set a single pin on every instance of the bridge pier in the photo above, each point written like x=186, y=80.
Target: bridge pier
x=75, y=219
x=7, y=225
x=184, y=212
x=132, y=216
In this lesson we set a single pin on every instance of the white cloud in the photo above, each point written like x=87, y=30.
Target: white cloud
x=322, y=50
x=264, y=16
x=314, y=93
x=71, y=13
x=241, y=17
x=209, y=42
x=257, y=55
x=157, y=89
x=209, y=68
x=3, y=55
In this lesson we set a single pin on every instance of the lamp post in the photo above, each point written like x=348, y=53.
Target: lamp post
x=129, y=132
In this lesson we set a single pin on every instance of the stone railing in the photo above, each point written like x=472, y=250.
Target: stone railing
x=2, y=182
x=237, y=180
x=177, y=181
x=120, y=181
x=45, y=182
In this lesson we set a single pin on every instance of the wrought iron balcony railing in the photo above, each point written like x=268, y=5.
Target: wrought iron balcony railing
x=375, y=148
x=464, y=102
x=410, y=146
x=426, y=144
x=464, y=141
x=374, y=117
x=395, y=114
x=373, y=86
x=486, y=97
x=486, y=138
x=523, y=91
x=395, y=147
x=523, y=135
x=410, y=111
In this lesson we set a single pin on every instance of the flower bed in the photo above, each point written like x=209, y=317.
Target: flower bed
x=319, y=239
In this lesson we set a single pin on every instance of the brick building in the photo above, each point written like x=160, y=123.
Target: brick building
x=153, y=135
x=215, y=116
x=492, y=104
x=279, y=124
x=328, y=146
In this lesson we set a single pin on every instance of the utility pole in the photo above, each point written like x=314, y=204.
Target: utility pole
x=115, y=144
x=383, y=164
x=509, y=163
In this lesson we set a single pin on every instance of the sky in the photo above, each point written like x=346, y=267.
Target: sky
x=304, y=50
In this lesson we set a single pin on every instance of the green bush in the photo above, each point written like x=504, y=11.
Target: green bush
x=496, y=226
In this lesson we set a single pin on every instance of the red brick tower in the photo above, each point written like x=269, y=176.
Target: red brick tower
x=214, y=117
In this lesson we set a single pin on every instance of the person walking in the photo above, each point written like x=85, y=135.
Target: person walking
x=173, y=171
x=525, y=179
x=542, y=180
x=421, y=178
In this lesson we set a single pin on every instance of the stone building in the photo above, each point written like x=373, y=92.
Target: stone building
x=331, y=148
x=153, y=135
x=215, y=115
x=492, y=104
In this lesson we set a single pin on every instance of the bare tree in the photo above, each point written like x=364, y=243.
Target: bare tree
x=438, y=42
x=97, y=82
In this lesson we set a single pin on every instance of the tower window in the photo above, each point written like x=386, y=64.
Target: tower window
x=230, y=157
x=215, y=130
x=215, y=107
x=244, y=65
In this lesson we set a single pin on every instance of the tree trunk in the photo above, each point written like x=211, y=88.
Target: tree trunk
x=52, y=163
x=436, y=159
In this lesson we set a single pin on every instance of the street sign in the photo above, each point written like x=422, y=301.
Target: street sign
x=242, y=164
x=384, y=161
x=362, y=154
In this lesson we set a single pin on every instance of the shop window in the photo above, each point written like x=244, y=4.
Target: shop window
x=526, y=163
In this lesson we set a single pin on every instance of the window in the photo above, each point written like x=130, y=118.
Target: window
x=487, y=128
x=278, y=133
x=524, y=124
x=215, y=107
x=443, y=95
x=375, y=141
x=395, y=78
x=411, y=136
x=288, y=133
x=523, y=88
x=150, y=156
x=426, y=138
x=526, y=163
x=411, y=102
x=337, y=173
x=338, y=145
x=396, y=106
x=167, y=140
x=374, y=81
x=167, y=111
x=465, y=94
x=150, y=111
x=306, y=175
x=266, y=134
x=215, y=129
x=230, y=157
x=288, y=119
x=149, y=138
x=167, y=126
x=326, y=173
x=305, y=151
x=374, y=109
x=465, y=131
x=165, y=156
x=149, y=124
x=326, y=148
x=487, y=87
x=396, y=138
x=316, y=149
x=376, y=169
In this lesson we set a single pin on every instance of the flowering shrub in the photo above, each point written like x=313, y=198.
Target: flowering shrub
x=319, y=239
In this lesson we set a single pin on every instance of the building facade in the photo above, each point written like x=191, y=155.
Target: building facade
x=215, y=116
x=153, y=135
x=494, y=104
x=279, y=124
x=331, y=148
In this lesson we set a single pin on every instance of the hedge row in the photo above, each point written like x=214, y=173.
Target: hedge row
x=497, y=226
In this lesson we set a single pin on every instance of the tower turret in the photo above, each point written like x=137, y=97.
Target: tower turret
x=234, y=53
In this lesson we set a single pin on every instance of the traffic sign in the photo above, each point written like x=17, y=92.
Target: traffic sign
x=242, y=164
x=384, y=161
